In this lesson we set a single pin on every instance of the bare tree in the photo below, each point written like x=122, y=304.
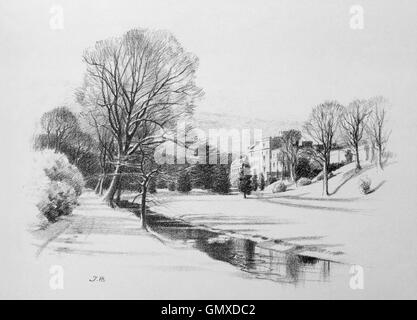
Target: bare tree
x=321, y=127
x=289, y=146
x=376, y=127
x=58, y=124
x=353, y=123
x=82, y=143
x=145, y=162
x=104, y=143
x=133, y=77
x=150, y=137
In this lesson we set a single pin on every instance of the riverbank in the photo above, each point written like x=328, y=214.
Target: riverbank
x=348, y=227
x=104, y=254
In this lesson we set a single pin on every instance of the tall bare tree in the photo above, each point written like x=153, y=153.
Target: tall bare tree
x=322, y=127
x=289, y=146
x=134, y=77
x=97, y=123
x=377, y=127
x=353, y=123
x=150, y=137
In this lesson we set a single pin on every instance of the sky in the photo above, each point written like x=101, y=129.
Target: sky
x=268, y=59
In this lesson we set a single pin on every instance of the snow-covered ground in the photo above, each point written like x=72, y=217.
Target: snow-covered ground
x=376, y=231
x=99, y=242
x=355, y=229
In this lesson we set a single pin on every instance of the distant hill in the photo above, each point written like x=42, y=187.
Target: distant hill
x=208, y=120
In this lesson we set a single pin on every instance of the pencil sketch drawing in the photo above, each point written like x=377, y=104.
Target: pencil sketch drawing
x=210, y=149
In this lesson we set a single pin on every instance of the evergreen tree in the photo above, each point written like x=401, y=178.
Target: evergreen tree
x=303, y=169
x=184, y=182
x=255, y=182
x=245, y=183
x=262, y=182
x=202, y=175
x=221, y=180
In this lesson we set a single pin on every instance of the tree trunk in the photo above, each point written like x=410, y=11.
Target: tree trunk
x=119, y=192
x=119, y=189
x=48, y=139
x=109, y=196
x=325, y=180
x=372, y=152
x=292, y=172
x=100, y=190
x=380, y=158
x=366, y=152
x=97, y=188
x=143, y=207
x=358, y=165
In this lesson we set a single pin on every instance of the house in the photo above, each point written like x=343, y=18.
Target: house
x=266, y=157
x=235, y=169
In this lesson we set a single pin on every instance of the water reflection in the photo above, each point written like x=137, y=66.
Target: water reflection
x=245, y=254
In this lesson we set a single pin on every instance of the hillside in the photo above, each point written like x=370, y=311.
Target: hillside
x=344, y=184
x=208, y=120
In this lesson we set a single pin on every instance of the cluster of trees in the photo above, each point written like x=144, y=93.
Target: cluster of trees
x=214, y=177
x=360, y=120
x=136, y=88
x=89, y=146
x=61, y=131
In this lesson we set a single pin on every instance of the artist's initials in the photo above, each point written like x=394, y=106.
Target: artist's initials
x=56, y=282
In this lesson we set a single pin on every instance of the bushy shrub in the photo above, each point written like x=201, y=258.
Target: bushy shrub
x=336, y=165
x=172, y=186
x=279, y=187
x=348, y=156
x=365, y=185
x=320, y=176
x=58, y=168
x=161, y=184
x=63, y=183
x=272, y=180
x=303, y=182
x=76, y=180
x=58, y=199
